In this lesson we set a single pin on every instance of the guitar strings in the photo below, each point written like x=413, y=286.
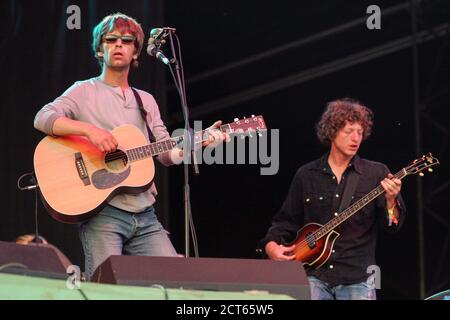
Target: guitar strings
x=116, y=155
x=154, y=145
x=304, y=243
x=201, y=133
x=160, y=149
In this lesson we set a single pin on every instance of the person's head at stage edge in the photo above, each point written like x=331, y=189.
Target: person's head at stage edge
x=30, y=238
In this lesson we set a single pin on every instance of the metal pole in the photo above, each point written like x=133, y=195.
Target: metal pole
x=417, y=110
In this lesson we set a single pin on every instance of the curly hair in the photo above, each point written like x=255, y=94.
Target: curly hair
x=338, y=113
x=123, y=23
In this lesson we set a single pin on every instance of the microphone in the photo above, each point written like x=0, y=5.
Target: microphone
x=155, y=52
x=155, y=41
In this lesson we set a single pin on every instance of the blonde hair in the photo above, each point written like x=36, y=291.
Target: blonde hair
x=28, y=238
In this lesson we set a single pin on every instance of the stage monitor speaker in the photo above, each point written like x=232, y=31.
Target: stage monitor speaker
x=276, y=277
x=33, y=259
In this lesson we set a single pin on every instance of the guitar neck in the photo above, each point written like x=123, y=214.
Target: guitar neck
x=156, y=148
x=354, y=208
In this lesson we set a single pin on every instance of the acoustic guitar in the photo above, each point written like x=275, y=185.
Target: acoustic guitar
x=76, y=180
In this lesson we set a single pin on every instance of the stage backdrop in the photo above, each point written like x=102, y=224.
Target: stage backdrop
x=284, y=61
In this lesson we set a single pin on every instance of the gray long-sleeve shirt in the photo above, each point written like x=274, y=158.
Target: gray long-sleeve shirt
x=106, y=107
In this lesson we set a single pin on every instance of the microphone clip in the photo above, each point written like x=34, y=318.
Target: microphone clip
x=158, y=36
x=156, y=41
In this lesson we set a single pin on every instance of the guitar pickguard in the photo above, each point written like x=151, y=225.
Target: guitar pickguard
x=104, y=179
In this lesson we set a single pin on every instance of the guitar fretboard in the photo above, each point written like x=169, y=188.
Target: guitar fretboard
x=354, y=208
x=156, y=148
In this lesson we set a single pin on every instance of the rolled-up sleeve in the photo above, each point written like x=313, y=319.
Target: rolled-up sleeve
x=64, y=106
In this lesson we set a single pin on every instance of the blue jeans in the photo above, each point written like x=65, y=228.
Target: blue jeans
x=114, y=232
x=359, y=291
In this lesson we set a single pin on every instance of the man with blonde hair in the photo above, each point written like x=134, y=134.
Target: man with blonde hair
x=93, y=107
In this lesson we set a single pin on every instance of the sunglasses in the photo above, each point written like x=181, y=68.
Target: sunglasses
x=112, y=38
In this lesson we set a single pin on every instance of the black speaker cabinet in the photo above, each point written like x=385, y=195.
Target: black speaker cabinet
x=206, y=274
x=33, y=259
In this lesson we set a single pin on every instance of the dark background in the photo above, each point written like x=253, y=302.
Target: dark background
x=284, y=60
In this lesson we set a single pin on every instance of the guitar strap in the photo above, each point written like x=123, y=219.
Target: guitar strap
x=349, y=190
x=144, y=115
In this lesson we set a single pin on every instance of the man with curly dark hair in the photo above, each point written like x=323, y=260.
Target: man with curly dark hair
x=315, y=196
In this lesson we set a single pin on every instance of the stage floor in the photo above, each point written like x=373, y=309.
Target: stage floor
x=24, y=287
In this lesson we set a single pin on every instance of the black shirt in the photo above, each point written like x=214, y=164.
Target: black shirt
x=315, y=196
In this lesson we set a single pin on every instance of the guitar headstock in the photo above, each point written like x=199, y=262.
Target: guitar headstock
x=247, y=125
x=424, y=162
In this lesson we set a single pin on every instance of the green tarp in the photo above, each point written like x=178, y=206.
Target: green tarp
x=22, y=287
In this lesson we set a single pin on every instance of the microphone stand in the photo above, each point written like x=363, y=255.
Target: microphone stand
x=189, y=145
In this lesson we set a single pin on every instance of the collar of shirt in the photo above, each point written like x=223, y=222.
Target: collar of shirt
x=321, y=164
x=126, y=95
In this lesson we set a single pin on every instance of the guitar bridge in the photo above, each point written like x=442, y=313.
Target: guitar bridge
x=81, y=168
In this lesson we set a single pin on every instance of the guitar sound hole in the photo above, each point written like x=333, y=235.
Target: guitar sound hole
x=116, y=161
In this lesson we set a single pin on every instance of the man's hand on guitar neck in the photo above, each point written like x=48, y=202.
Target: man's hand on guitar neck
x=392, y=186
x=279, y=252
x=216, y=136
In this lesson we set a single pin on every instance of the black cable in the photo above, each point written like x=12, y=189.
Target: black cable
x=180, y=58
x=33, y=185
x=164, y=289
x=13, y=265
x=73, y=281
x=32, y=181
x=37, y=239
x=179, y=85
x=83, y=294
x=191, y=218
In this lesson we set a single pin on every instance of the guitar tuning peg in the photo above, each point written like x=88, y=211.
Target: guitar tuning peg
x=421, y=174
x=430, y=170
